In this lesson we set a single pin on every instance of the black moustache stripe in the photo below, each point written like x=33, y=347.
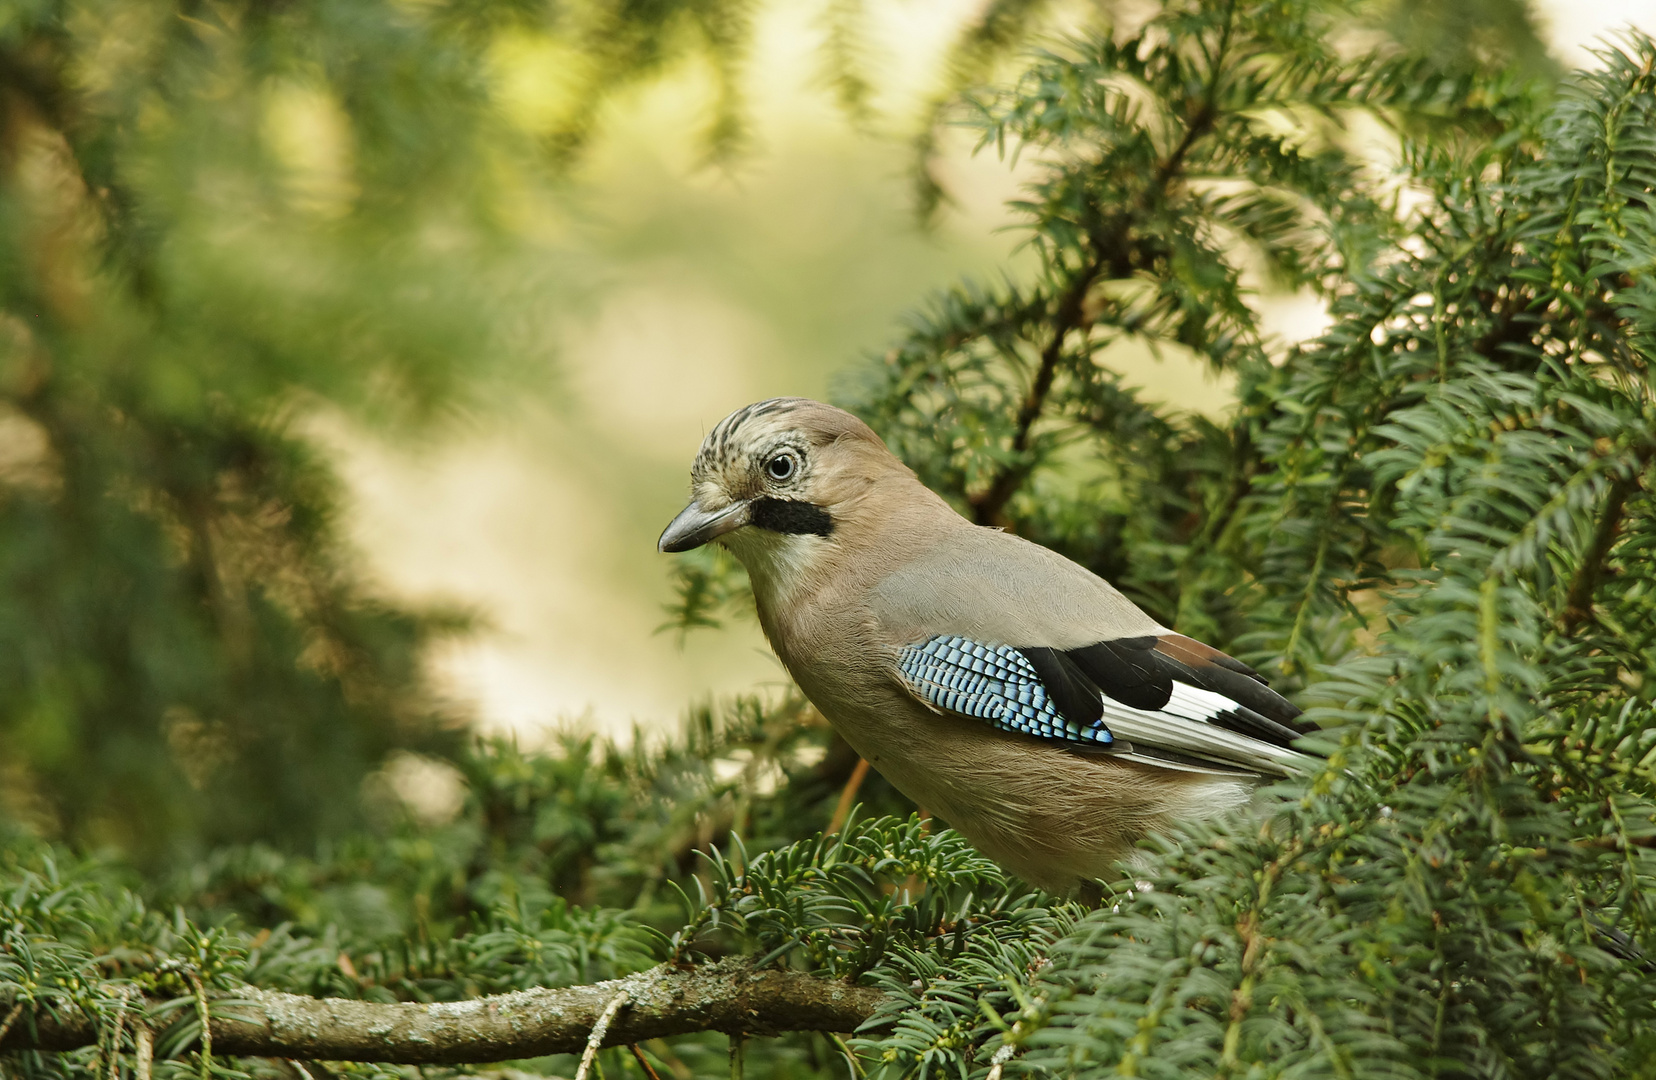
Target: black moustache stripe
x=790, y=516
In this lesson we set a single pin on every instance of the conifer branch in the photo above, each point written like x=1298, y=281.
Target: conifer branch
x=1578, y=605
x=730, y=996
x=1113, y=252
x=1070, y=316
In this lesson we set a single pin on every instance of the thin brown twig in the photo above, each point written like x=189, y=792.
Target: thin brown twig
x=1578, y=605
x=599, y=1030
x=1616, y=843
x=665, y=1055
x=143, y=1052
x=1071, y=315
x=11, y=1018
x=649, y=1070
x=988, y=505
x=848, y=796
x=206, y=1015
x=115, y=1037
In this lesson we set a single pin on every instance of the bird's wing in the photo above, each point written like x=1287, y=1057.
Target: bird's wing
x=1012, y=634
x=1169, y=702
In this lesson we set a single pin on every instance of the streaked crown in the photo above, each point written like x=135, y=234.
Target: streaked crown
x=737, y=449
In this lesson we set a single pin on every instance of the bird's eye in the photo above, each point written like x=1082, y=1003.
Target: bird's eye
x=781, y=467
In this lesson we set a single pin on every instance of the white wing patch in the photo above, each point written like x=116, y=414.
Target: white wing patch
x=1183, y=726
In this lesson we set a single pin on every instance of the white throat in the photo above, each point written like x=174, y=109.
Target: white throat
x=780, y=565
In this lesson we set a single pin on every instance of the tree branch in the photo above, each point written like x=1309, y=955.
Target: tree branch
x=730, y=996
x=1114, y=253
x=1071, y=315
x=1578, y=605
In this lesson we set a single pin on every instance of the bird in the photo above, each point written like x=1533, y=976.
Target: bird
x=1004, y=687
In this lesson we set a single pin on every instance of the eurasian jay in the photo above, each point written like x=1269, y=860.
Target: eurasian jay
x=1009, y=690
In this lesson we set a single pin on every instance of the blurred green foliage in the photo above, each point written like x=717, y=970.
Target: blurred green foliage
x=1470, y=33
x=208, y=218
x=216, y=220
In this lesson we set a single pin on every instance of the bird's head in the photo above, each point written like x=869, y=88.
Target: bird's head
x=776, y=479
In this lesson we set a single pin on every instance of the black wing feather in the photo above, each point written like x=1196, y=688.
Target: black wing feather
x=1075, y=695
x=1141, y=671
x=1127, y=670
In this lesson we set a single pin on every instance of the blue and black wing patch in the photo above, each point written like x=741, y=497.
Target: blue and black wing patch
x=1006, y=687
x=1164, y=700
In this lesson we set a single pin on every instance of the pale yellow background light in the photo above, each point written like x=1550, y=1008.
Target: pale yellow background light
x=1576, y=27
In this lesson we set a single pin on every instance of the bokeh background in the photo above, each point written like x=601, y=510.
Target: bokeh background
x=688, y=288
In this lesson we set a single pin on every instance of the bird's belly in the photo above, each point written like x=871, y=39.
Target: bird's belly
x=1050, y=816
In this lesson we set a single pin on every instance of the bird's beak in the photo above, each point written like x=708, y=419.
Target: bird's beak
x=695, y=526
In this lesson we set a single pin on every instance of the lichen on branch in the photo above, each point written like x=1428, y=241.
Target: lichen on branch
x=729, y=996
